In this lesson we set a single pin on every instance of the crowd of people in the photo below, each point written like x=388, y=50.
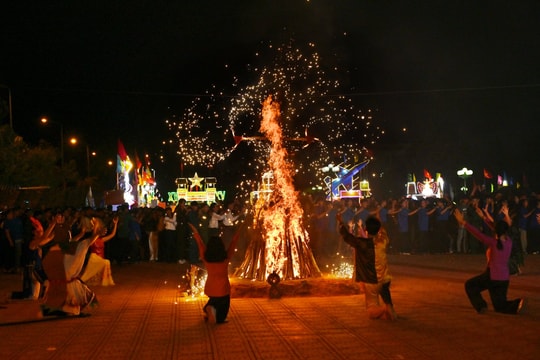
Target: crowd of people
x=427, y=226
x=36, y=242
x=61, y=251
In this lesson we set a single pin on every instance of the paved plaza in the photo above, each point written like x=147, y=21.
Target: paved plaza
x=146, y=316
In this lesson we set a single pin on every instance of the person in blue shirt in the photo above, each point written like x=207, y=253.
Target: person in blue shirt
x=423, y=241
x=404, y=242
x=14, y=231
x=444, y=241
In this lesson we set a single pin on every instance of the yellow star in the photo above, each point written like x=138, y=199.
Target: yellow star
x=196, y=181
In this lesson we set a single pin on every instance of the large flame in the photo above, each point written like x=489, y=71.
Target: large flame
x=286, y=241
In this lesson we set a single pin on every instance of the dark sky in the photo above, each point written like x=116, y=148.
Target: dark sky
x=462, y=76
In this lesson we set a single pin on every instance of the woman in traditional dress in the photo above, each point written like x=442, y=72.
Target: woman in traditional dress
x=66, y=293
x=98, y=268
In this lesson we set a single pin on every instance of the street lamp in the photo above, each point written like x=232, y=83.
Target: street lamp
x=45, y=121
x=464, y=174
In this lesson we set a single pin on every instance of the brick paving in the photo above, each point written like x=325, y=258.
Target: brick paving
x=145, y=316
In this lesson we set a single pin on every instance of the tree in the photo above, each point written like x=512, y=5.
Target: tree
x=33, y=167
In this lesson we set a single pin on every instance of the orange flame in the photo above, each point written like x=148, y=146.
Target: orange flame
x=286, y=239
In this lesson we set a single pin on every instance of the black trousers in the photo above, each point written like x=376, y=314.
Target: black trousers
x=497, y=289
x=221, y=304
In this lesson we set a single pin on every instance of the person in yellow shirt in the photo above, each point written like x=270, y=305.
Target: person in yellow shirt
x=371, y=267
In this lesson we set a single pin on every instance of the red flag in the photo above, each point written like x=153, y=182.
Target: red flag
x=487, y=174
x=138, y=162
x=122, y=151
x=427, y=175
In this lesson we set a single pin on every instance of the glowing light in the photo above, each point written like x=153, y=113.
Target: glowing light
x=286, y=250
x=196, y=181
x=310, y=97
x=342, y=270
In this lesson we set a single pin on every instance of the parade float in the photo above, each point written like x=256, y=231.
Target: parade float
x=428, y=188
x=346, y=183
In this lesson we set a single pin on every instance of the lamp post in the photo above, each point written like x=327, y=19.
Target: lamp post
x=9, y=105
x=44, y=120
x=464, y=174
x=75, y=141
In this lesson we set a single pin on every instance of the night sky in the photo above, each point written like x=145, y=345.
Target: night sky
x=462, y=77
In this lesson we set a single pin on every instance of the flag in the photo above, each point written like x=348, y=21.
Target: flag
x=148, y=176
x=427, y=175
x=138, y=162
x=487, y=174
x=89, y=200
x=119, y=164
x=121, y=157
x=122, y=151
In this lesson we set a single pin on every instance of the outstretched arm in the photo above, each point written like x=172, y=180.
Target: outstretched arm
x=198, y=239
x=113, y=232
x=234, y=241
x=356, y=242
x=507, y=218
x=45, y=238
x=471, y=229
x=486, y=217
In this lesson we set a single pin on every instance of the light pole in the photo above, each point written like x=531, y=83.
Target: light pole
x=74, y=141
x=45, y=121
x=9, y=105
x=464, y=174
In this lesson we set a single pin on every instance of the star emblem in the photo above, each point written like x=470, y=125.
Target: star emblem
x=196, y=181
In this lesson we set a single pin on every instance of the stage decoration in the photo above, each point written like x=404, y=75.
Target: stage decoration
x=197, y=189
x=146, y=184
x=279, y=224
x=345, y=183
x=425, y=189
x=123, y=168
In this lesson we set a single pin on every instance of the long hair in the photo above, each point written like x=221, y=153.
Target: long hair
x=501, y=228
x=215, y=250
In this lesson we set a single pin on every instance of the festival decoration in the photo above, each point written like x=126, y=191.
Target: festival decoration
x=197, y=189
x=346, y=184
x=425, y=189
x=123, y=168
x=146, y=184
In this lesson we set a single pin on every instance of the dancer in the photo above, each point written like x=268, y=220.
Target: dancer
x=98, y=267
x=218, y=288
x=371, y=267
x=67, y=294
x=496, y=277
